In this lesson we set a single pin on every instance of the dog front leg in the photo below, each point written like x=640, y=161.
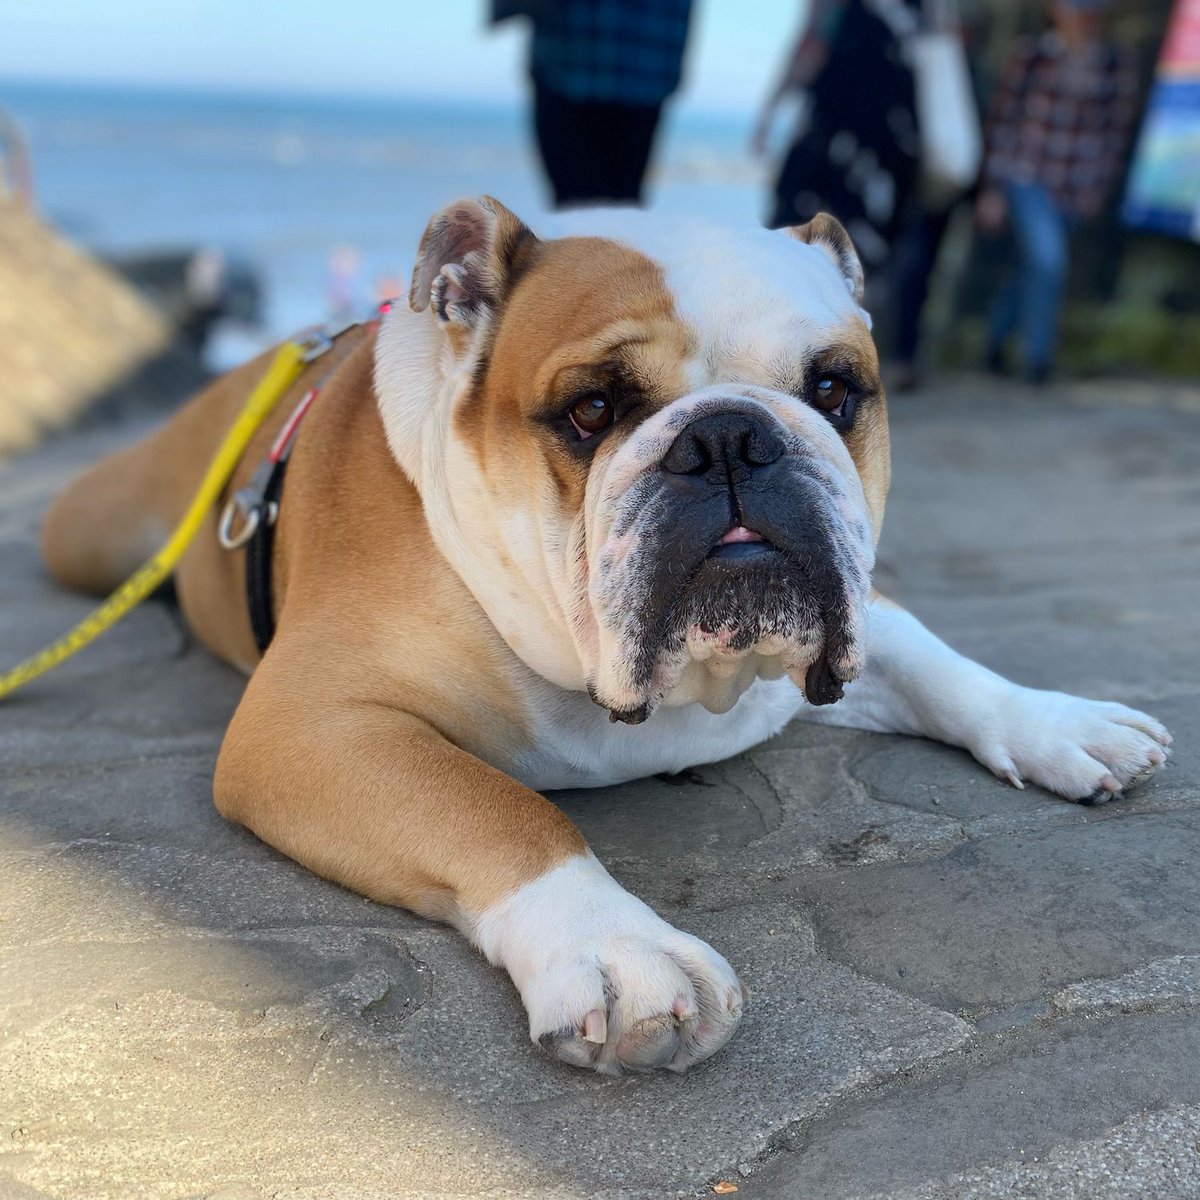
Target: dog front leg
x=914, y=683
x=379, y=801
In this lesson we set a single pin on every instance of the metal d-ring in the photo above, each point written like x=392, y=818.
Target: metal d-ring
x=252, y=518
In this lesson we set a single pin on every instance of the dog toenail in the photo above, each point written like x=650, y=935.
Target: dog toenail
x=595, y=1027
x=683, y=1009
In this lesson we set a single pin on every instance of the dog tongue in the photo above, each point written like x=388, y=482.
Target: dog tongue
x=739, y=533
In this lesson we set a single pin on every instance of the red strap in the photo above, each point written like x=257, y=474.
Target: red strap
x=284, y=439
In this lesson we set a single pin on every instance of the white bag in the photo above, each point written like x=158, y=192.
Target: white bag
x=947, y=118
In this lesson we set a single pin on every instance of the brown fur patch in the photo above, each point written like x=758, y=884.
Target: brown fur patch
x=585, y=309
x=868, y=439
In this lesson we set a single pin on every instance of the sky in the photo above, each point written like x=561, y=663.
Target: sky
x=365, y=47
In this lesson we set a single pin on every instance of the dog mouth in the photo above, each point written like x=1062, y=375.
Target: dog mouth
x=742, y=545
x=754, y=605
x=729, y=589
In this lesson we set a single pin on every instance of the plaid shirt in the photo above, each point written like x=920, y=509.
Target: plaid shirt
x=610, y=51
x=1060, y=118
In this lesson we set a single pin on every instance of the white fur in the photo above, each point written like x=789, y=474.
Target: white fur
x=575, y=942
x=747, y=291
x=913, y=684
x=574, y=744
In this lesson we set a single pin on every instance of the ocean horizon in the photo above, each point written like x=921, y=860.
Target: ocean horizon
x=303, y=188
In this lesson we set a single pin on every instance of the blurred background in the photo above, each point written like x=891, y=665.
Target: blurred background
x=183, y=184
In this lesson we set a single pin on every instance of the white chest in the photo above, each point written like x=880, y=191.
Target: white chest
x=577, y=746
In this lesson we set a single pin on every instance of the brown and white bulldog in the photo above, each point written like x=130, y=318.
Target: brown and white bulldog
x=588, y=509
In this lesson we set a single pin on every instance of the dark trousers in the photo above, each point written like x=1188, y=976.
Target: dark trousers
x=593, y=153
x=913, y=261
x=1033, y=296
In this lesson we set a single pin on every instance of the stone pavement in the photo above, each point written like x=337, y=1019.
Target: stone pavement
x=958, y=990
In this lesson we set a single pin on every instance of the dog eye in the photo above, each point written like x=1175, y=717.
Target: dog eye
x=591, y=415
x=829, y=395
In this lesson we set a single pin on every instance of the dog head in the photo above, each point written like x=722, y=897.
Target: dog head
x=655, y=450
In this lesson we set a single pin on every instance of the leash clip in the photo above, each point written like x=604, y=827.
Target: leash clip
x=248, y=503
x=251, y=503
x=320, y=341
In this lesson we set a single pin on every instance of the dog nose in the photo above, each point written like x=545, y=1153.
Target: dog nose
x=723, y=447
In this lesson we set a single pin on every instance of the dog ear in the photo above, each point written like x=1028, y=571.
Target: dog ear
x=829, y=233
x=471, y=255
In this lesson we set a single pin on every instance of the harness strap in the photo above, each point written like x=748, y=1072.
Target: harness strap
x=258, y=569
x=267, y=486
x=255, y=507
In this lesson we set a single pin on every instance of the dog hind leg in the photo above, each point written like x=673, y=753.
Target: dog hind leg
x=110, y=519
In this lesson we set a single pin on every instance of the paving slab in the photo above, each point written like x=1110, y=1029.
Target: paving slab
x=1002, y=1108
x=958, y=989
x=1001, y=920
x=1150, y=1155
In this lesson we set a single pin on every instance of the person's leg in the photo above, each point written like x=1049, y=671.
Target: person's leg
x=911, y=272
x=1002, y=317
x=560, y=127
x=624, y=141
x=594, y=153
x=803, y=175
x=915, y=254
x=1041, y=231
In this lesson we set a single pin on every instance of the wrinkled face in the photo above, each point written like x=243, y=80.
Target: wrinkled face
x=657, y=455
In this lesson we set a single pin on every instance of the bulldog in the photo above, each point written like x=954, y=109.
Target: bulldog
x=589, y=508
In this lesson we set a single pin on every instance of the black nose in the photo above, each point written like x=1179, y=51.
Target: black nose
x=723, y=447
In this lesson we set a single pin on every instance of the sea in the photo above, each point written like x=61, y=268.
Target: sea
x=324, y=199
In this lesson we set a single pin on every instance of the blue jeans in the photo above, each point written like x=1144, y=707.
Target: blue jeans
x=1033, y=295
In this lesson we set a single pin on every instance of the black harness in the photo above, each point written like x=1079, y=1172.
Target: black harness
x=258, y=558
x=257, y=504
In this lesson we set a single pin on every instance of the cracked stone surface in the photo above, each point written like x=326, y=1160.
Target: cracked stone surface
x=1167, y=983
x=986, y=1114
x=957, y=989
x=1149, y=1155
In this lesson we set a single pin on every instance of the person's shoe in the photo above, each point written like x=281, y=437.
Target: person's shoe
x=1037, y=375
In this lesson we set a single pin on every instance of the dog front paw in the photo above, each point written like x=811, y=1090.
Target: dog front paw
x=607, y=983
x=1086, y=750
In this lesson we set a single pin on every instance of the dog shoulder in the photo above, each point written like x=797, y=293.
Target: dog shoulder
x=382, y=610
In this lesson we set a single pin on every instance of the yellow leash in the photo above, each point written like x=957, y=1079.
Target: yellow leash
x=286, y=367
